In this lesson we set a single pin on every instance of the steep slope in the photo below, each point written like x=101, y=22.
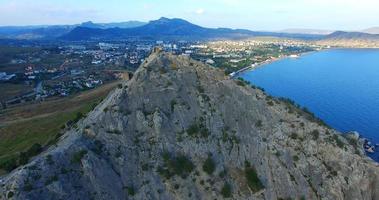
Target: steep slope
x=182, y=130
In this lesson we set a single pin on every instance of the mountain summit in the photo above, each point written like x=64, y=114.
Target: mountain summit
x=180, y=129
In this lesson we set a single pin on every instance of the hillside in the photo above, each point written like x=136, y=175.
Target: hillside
x=180, y=129
x=351, y=39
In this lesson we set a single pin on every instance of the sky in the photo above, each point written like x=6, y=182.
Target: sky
x=248, y=14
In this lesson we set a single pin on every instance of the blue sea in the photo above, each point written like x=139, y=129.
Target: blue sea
x=340, y=86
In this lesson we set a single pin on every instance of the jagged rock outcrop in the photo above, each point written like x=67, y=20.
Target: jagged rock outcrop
x=182, y=130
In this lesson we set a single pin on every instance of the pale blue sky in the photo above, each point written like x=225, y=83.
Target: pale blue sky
x=250, y=14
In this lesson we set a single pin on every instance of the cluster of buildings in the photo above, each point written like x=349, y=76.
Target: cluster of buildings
x=234, y=56
x=6, y=77
x=65, y=88
x=83, y=65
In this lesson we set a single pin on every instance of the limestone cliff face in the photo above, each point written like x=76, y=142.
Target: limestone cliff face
x=182, y=130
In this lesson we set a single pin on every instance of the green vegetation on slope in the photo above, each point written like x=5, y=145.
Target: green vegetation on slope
x=44, y=129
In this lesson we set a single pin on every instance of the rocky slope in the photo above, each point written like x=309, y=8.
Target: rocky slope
x=182, y=130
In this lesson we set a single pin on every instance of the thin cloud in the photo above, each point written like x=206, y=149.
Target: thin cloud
x=200, y=11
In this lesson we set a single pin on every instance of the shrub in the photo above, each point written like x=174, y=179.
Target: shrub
x=200, y=89
x=114, y=131
x=28, y=187
x=293, y=136
x=222, y=174
x=77, y=157
x=9, y=164
x=252, y=179
x=226, y=190
x=198, y=129
x=334, y=173
x=338, y=141
x=209, y=166
x=23, y=158
x=49, y=159
x=241, y=83
x=259, y=123
x=181, y=165
x=193, y=129
x=295, y=158
x=10, y=194
x=173, y=103
x=106, y=109
x=78, y=117
x=204, y=132
x=131, y=191
x=315, y=134
x=145, y=167
x=175, y=165
x=97, y=147
x=64, y=171
x=34, y=150
x=51, y=180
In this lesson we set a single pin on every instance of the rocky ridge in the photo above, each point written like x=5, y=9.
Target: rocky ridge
x=182, y=130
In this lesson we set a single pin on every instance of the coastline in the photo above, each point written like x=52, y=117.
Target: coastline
x=369, y=147
x=251, y=68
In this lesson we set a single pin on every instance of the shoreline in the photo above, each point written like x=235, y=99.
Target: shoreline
x=369, y=147
x=251, y=68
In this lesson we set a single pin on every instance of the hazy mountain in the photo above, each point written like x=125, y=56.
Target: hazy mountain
x=55, y=31
x=373, y=30
x=307, y=31
x=183, y=130
x=165, y=28
x=351, y=39
x=352, y=35
x=129, y=24
x=35, y=32
x=162, y=28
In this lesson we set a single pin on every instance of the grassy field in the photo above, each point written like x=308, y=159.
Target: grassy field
x=41, y=123
x=9, y=90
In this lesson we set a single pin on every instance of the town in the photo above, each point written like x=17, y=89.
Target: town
x=34, y=73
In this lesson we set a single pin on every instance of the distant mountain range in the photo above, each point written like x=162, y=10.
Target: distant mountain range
x=308, y=31
x=56, y=31
x=165, y=28
x=129, y=24
x=352, y=35
x=351, y=39
x=168, y=29
x=373, y=30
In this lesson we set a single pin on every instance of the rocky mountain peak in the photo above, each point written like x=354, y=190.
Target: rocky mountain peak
x=180, y=129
